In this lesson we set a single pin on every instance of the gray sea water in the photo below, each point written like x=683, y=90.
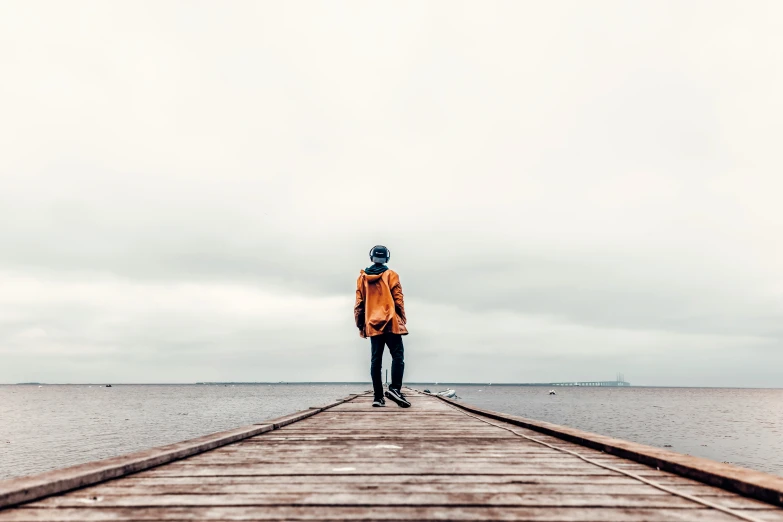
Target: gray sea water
x=54, y=426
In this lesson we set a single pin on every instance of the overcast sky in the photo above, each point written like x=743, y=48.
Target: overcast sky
x=188, y=190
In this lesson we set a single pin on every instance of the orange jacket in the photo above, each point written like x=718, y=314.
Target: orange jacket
x=379, y=304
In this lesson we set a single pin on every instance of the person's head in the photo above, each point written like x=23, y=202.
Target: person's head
x=379, y=254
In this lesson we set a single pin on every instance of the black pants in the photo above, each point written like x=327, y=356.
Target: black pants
x=394, y=342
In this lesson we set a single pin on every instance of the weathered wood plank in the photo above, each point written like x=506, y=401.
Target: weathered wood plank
x=388, y=469
x=375, y=499
x=411, y=450
x=506, y=460
x=198, y=487
x=414, y=446
x=146, y=478
x=113, y=488
x=470, y=464
x=459, y=513
x=381, y=497
x=366, y=455
x=441, y=430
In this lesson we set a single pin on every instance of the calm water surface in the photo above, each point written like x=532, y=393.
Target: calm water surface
x=56, y=426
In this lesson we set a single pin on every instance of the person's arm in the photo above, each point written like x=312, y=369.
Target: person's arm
x=358, y=308
x=399, y=299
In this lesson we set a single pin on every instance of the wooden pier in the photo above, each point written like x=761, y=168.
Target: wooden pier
x=438, y=460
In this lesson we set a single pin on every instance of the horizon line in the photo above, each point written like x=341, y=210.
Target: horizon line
x=444, y=383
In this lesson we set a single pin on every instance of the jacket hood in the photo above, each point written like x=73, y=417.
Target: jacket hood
x=372, y=278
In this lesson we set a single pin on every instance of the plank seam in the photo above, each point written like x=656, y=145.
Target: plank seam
x=96, y=507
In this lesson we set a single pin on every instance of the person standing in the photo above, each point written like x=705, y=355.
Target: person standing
x=380, y=315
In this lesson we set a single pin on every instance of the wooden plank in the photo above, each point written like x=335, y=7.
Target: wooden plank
x=420, y=480
x=411, y=446
x=114, y=488
x=510, y=447
x=387, y=455
x=389, y=469
x=429, y=466
x=388, y=450
x=374, y=499
x=400, y=455
x=458, y=513
x=198, y=487
x=375, y=436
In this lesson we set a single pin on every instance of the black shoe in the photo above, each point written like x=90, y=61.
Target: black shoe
x=378, y=402
x=398, y=397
